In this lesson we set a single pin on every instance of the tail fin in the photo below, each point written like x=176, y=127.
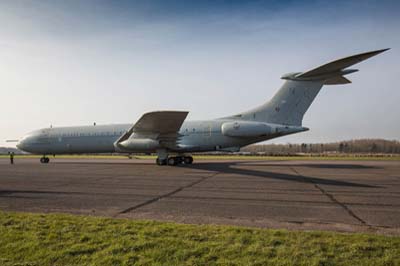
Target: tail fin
x=291, y=102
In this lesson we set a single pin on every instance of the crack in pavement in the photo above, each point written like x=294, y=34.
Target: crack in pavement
x=333, y=199
x=150, y=201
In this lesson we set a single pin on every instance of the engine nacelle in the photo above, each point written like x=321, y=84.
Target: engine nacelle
x=140, y=144
x=246, y=129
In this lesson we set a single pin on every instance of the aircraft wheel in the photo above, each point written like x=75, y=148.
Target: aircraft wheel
x=188, y=159
x=172, y=161
x=44, y=160
x=179, y=159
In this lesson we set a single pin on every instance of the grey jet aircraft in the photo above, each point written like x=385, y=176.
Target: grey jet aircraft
x=167, y=133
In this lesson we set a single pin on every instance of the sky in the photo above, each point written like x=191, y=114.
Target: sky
x=68, y=63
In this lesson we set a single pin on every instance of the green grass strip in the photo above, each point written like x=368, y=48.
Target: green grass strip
x=60, y=239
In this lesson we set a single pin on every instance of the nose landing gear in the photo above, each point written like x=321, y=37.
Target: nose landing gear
x=44, y=159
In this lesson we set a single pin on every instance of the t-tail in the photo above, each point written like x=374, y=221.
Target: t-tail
x=291, y=102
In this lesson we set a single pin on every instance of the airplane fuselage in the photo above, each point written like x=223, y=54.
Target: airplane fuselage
x=196, y=136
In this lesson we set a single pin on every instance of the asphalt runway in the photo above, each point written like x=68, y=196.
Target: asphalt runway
x=352, y=196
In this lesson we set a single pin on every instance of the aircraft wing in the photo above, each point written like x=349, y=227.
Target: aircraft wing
x=162, y=125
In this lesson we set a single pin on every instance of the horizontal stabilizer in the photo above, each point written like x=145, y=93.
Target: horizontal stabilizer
x=337, y=80
x=340, y=64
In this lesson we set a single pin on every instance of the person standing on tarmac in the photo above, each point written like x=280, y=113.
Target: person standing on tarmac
x=11, y=158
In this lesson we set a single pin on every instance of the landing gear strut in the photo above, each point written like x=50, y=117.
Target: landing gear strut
x=161, y=161
x=44, y=159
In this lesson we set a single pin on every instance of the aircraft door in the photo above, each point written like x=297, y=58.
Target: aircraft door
x=206, y=134
x=207, y=130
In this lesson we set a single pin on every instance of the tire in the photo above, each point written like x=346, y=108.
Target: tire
x=179, y=159
x=188, y=160
x=46, y=160
x=172, y=161
x=42, y=160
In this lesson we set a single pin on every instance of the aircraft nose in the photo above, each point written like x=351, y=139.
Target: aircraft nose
x=24, y=143
x=21, y=144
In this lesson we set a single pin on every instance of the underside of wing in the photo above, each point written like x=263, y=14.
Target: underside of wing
x=337, y=80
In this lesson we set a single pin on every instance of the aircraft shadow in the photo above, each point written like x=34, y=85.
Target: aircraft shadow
x=5, y=193
x=324, y=166
x=227, y=168
x=105, y=163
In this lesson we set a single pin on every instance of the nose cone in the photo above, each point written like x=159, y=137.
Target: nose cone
x=25, y=143
x=30, y=143
x=21, y=145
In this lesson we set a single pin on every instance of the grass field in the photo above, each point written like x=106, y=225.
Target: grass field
x=344, y=157
x=59, y=239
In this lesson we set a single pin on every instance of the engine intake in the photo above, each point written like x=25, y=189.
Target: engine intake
x=140, y=144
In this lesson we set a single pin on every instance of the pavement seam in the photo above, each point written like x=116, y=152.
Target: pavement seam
x=150, y=201
x=333, y=199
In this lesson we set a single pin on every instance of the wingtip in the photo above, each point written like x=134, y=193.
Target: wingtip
x=380, y=51
x=369, y=54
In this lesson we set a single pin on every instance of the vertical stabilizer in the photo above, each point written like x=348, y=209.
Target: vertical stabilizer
x=288, y=105
x=293, y=99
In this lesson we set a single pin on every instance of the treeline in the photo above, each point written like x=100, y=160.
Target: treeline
x=370, y=146
x=6, y=150
x=352, y=146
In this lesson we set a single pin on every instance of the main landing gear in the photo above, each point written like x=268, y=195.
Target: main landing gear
x=44, y=159
x=164, y=159
x=175, y=160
